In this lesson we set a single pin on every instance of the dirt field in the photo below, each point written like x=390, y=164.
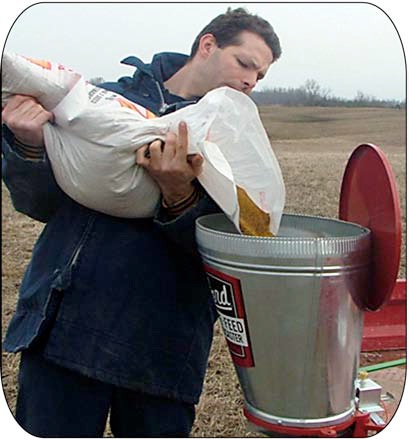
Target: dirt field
x=312, y=146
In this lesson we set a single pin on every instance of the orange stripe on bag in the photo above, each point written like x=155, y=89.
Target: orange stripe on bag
x=150, y=115
x=141, y=110
x=40, y=62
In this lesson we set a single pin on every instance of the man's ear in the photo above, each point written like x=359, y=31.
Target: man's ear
x=207, y=45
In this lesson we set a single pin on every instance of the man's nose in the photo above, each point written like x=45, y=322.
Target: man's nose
x=250, y=81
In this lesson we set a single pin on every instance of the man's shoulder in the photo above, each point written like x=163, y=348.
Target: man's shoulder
x=162, y=66
x=142, y=93
x=145, y=86
x=114, y=86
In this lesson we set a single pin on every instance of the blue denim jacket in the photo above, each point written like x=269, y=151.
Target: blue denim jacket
x=120, y=300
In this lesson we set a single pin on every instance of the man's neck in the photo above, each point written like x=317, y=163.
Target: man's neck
x=186, y=82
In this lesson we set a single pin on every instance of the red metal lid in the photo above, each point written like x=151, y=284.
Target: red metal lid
x=369, y=197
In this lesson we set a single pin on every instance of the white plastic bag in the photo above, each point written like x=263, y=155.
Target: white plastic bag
x=92, y=144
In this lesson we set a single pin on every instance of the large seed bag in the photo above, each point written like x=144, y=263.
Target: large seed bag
x=92, y=142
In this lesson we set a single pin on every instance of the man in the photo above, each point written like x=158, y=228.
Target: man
x=115, y=314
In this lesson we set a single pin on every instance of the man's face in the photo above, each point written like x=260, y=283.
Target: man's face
x=239, y=67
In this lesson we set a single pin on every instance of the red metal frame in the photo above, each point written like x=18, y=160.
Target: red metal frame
x=364, y=424
x=385, y=329
x=360, y=424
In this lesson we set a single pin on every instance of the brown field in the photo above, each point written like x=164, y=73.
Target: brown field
x=312, y=146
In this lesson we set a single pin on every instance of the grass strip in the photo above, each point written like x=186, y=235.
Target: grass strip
x=385, y=365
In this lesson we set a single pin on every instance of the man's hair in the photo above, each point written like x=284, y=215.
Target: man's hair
x=227, y=27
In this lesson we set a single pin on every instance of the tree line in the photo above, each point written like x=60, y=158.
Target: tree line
x=309, y=94
x=312, y=94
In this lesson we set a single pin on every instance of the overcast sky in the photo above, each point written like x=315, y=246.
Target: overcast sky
x=346, y=47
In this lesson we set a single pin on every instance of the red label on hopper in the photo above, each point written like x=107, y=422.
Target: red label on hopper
x=227, y=295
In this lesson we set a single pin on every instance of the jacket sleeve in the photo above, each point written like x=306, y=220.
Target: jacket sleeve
x=33, y=189
x=181, y=230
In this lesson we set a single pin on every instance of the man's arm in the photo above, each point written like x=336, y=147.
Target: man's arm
x=26, y=170
x=181, y=228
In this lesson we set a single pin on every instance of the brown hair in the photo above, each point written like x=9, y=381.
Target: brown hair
x=227, y=27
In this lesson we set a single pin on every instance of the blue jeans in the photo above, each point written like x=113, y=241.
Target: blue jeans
x=56, y=402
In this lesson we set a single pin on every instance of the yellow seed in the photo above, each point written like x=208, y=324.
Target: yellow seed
x=253, y=221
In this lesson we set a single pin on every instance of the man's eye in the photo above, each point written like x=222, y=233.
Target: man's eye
x=242, y=63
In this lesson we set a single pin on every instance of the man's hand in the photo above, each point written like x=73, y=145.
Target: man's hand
x=170, y=166
x=25, y=117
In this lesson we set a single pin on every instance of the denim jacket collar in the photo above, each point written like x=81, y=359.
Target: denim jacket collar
x=163, y=66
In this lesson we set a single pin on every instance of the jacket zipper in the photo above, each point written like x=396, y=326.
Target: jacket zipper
x=164, y=107
x=74, y=257
x=60, y=286
x=79, y=247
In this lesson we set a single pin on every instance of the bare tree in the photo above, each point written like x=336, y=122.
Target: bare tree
x=315, y=95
